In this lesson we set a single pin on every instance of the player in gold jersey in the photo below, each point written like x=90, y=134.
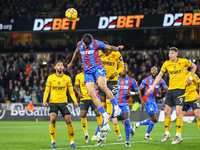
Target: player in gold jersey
x=192, y=99
x=114, y=65
x=175, y=96
x=85, y=102
x=57, y=84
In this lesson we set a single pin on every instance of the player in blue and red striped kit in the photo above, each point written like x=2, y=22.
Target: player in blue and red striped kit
x=125, y=86
x=148, y=101
x=95, y=73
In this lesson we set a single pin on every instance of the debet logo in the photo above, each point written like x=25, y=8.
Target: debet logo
x=179, y=19
x=54, y=24
x=120, y=21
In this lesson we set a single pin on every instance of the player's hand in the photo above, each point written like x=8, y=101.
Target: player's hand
x=44, y=104
x=128, y=93
x=112, y=76
x=76, y=105
x=120, y=47
x=188, y=81
x=198, y=97
x=80, y=95
x=69, y=65
x=150, y=90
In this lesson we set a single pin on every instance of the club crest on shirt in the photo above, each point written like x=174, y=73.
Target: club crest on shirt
x=174, y=66
x=58, y=83
x=63, y=80
x=108, y=58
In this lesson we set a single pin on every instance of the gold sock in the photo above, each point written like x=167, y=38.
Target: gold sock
x=52, y=131
x=84, y=124
x=167, y=124
x=71, y=132
x=179, y=125
x=104, y=105
x=99, y=121
x=117, y=130
x=109, y=108
x=198, y=122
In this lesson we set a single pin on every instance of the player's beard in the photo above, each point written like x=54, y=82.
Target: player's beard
x=153, y=75
x=60, y=71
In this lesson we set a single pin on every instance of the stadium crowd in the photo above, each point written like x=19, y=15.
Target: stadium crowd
x=22, y=9
x=127, y=7
x=23, y=78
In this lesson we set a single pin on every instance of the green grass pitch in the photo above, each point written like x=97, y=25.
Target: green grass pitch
x=27, y=135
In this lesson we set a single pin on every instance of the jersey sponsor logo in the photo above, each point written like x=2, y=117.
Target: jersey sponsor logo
x=180, y=19
x=108, y=63
x=112, y=22
x=87, y=52
x=58, y=88
x=175, y=72
x=174, y=66
x=54, y=24
x=123, y=87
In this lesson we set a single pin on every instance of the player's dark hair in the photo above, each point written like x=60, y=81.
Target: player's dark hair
x=105, y=42
x=58, y=62
x=87, y=39
x=173, y=49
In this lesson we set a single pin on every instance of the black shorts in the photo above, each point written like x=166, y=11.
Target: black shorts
x=54, y=107
x=194, y=104
x=175, y=97
x=85, y=104
x=112, y=85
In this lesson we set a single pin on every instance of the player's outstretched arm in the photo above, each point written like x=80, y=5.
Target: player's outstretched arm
x=198, y=97
x=114, y=48
x=75, y=55
x=159, y=76
x=194, y=68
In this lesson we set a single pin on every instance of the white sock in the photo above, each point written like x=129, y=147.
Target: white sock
x=146, y=134
x=52, y=141
x=167, y=132
x=86, y=133
x=119, y=136
x=71, y=142
x=105, y=114
x=137, y=124
x=178, y=134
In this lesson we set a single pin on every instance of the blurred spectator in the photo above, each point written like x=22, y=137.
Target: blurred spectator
x=35, y=88
x=22, y=64
x=28, y=67
x=13, y=98
x=41, y=94
x=30, y=106
x=16, y=92
x=22, y=92
x=27, y=97
x=9, y=91
x=2, y=86
x=34, y=97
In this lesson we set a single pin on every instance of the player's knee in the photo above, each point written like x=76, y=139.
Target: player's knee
x=68, y=122
x=155, y=120
x=103, y=87
x=197, y=115
x=91, y=93
x=53, y=120
x=83, y=115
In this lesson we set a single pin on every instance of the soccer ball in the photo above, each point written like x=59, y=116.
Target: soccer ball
x=71, y=14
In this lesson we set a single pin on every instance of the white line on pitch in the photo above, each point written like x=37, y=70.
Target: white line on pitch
x=114, y=143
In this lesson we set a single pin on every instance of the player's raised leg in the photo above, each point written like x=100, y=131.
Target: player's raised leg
x=91, y=92
x=52, y=129
x=102, y=83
